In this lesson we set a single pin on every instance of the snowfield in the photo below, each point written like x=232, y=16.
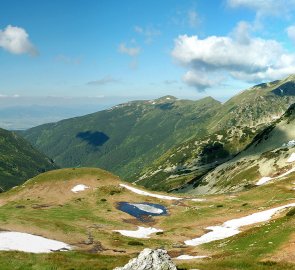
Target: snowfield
x=79, y=188
x=147, y=208
x=231, y=227
x=30, y=243
x=266, y=179
x=289, y=144
x=141, y=232
x=291, y=158
x=145, y=193
x=164, y=197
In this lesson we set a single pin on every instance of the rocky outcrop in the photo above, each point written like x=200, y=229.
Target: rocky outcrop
x=150, y=259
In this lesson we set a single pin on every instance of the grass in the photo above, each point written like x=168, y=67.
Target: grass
x=73, y=217
x=60, y=261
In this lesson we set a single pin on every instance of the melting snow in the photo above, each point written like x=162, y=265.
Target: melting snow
x=79, y=188
x=198, y=200
x=29, y=243
x=141, y=232
x=147, y=208
x=264, y=180
x=145, y=193
x=291, y=158
x=231, y=227
x=164, y=197
x=189, y=257
x=289, y=143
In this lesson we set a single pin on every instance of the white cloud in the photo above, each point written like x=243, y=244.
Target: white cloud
x=148, y=32
x=131, y=51
x=238, y=56
x=16, y=40
x=291, y=32
x=103, y=81
x=265, y=7
x=199, y=80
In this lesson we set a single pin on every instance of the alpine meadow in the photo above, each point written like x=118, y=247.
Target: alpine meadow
x=147, y=135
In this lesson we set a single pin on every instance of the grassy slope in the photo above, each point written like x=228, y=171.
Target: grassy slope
x=138, y=132
x=45, y=206
x=265, y=156
x=234, y=127
x=19, y=161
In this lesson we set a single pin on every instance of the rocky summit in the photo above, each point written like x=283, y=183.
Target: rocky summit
x=150, y=259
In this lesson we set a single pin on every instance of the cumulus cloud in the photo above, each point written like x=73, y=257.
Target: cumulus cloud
x=265, y=7
x=16, y=40
x=131, y=51
x=103, y=81
x=238, y=56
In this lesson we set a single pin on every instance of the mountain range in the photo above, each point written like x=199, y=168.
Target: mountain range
x=166, y=143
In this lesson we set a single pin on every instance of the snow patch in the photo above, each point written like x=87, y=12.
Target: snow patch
x=147, y=208
x=231, y=227
x=189, y=257
x=291, y=158
x=164, y=197
x=79, y=188
x=266, y=179
x=263, y=180
x=145, y=193
x=198, y=200
x=289, y=143
x=29, y=243
x=141, y=232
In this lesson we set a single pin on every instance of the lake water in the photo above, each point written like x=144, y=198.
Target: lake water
x=142, y=211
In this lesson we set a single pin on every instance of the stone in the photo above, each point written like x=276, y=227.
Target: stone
x=150, y=259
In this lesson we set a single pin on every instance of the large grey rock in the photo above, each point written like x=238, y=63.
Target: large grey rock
x=150, y=259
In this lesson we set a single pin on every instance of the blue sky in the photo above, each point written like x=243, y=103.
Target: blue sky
x=143, y=49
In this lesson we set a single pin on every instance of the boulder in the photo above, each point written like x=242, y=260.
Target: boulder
x=150, y=259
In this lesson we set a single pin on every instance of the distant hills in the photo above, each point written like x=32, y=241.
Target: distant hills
x=165, y=143
x=19, y=161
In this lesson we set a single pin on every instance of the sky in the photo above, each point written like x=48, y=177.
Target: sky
x=128, y=49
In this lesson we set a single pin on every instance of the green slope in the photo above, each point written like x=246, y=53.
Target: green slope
x=235, y=125
x=19, y=160
x=266, y=156
x=125, y=138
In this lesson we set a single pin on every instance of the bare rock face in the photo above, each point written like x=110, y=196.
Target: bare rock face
x=150, y=259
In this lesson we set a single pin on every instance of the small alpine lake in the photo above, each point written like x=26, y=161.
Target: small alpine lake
x=142, y=211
